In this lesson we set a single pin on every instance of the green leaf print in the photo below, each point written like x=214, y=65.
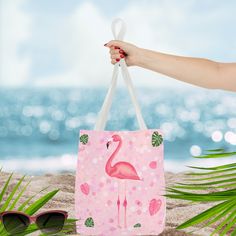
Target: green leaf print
x=156, y=139
x=84, y=138
x=89, y=222
x=137, y=225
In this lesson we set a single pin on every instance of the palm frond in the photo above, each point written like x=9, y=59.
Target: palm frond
x=216, y=150
x=217, y=155
x=5, y=188
x=215, y=167
x=233, y=232
x=213, y=177
x=216, y=184
x=11, y=198
x=34, y=207
x=18, y=196
x=11, y=195
x=30, y=198
x=205, y=187
x=210, y=172
x=206, y=215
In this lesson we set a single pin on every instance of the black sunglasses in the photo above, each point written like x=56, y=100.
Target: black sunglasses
x=49, y=222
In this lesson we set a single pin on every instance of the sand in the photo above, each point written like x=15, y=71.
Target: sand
x=177, y=211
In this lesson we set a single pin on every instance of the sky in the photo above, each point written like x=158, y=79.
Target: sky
x=60, y=42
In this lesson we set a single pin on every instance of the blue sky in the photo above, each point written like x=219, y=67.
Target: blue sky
x=60, y=42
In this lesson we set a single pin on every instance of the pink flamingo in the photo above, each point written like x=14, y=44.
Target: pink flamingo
x=120, y=170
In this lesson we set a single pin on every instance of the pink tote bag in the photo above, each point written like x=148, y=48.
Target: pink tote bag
x=120, y=177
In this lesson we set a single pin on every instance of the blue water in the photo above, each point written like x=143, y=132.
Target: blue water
x=43, y=124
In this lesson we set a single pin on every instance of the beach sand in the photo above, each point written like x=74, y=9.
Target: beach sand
x=177, y=211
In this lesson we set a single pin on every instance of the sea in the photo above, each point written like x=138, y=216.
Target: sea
x=39, y=127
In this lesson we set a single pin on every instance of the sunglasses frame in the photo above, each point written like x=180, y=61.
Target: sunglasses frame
x=32, y=219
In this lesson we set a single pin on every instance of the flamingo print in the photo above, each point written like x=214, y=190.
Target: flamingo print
x=120, y=170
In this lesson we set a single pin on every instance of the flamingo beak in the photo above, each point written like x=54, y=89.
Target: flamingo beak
x=108, y=143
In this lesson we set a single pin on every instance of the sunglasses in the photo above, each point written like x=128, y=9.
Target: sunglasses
x=49, y=222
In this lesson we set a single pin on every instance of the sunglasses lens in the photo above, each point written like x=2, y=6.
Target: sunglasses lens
x=52, y=222
x=15, y=223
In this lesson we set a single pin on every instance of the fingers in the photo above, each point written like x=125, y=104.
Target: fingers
x=116, y=51
x=113, y=61
x=116, y=54
x=117, y=43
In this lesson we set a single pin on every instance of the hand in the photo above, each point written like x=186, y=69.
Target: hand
x=120, y=49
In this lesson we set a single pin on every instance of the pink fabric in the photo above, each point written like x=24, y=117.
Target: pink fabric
x=120, y=183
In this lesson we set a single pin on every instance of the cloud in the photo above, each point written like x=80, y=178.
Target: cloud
x=81, y=41
x=170, y=26
x=14, y=30
x=82, y=37
x=189, y=28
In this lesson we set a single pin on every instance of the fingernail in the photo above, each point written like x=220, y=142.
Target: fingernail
x=117, y=59
x=122, y=56
x=117, y=47
x=121, y=51
x=105, y=44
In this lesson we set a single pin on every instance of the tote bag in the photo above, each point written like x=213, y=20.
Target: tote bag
x=120, y=177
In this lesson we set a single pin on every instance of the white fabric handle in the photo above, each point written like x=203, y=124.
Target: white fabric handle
x=103, y=114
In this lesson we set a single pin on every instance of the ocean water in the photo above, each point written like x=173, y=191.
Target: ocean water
x=39, y=128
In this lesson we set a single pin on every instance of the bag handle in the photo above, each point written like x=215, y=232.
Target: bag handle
x=103, y=114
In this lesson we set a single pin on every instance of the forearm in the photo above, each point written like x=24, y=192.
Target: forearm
x=197, y=71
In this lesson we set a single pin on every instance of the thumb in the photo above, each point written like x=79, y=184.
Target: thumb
x=117, y=43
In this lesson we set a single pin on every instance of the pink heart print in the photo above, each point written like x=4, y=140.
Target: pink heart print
x=85, y=188
x=154, y=206
x=153, y=164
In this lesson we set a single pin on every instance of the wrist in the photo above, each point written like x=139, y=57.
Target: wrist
x=140, y=54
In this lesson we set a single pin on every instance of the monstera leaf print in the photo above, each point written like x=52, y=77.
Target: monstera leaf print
x=89, y=222
x=156, y=139
x=83, y=138
x=138, y=225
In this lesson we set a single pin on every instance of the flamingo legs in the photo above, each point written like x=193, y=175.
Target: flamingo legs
x=118, y=205
x=125, y=208
x=125, y=203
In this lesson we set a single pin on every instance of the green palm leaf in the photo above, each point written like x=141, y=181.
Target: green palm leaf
x=217, y=155
x=215, y=167
x=18, y=196
x=210, y=172
x=25, y=203
x=216, y=150
x=213, y=177
x=206, y=215
x=226, y=223
x=5, y=188
x=205, y=187
x=234, y=232
x=219, y=186
x=13, y=197
x=222, y=214
x=34, y=207
x=217, y=182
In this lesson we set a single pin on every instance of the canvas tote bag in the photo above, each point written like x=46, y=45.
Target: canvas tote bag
x=120, y=176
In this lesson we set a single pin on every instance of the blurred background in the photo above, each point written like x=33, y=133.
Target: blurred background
x=55, y=71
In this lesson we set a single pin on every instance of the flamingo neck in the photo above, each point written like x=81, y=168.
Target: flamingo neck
x=109, y=167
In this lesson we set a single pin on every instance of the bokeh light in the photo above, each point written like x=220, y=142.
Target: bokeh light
x=217, y=136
